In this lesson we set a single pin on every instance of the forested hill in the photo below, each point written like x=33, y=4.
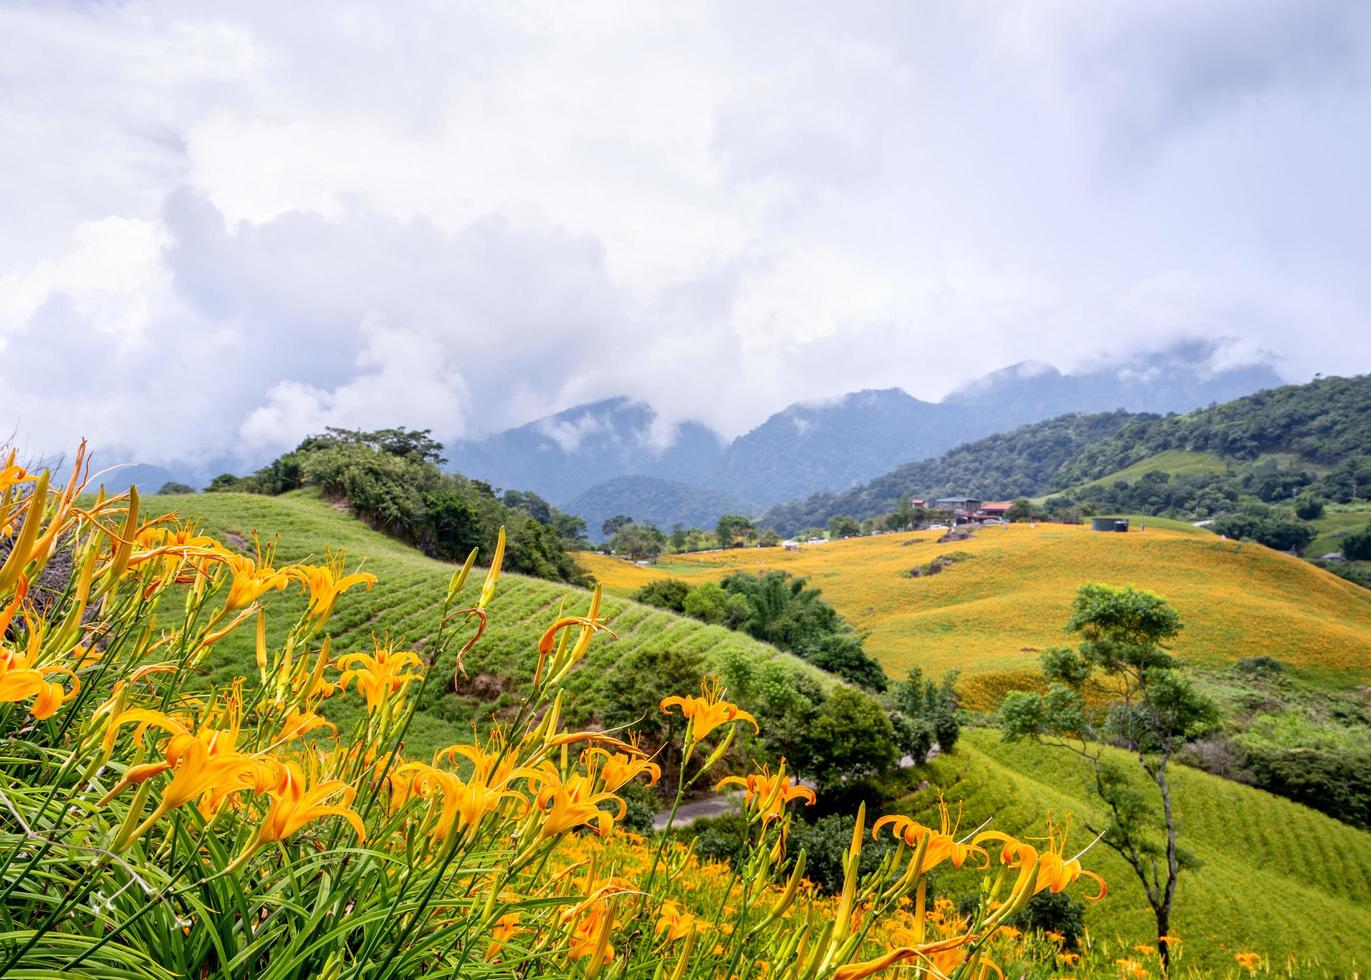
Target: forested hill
x=1271, y=444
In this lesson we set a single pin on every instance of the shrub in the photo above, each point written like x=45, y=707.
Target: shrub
x=1356, y=545
x=667, y=593
x=1308, y=507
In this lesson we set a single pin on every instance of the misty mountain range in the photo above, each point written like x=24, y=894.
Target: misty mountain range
x=617, y=457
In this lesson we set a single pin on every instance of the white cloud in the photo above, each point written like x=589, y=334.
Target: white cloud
x=235, y=224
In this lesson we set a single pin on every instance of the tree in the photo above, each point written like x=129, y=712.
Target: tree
x=1019, y=510
x=731, y=527
x=851, y=739
x=1356, y=545
x=1264, y=526
x=925, y=715
x=610, y=527
x=678, y=537
x=666, y=593
x=708, y=602
x=769, y=539
x=902, y=517
x=225, y=483
x=173, y=487
x=637, y=541
x=1144, y=705
x=843, y=526
x=1308, y=507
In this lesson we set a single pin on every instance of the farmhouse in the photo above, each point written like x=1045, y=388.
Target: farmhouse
x=962, y=508
x=996, y=509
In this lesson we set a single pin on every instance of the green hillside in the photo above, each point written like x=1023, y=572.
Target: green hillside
x=1173, y=462
x=404, y=605
x=1336, y=521
x=1270, y=867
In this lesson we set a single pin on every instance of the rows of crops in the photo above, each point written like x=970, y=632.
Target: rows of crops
x=406, y=608
x=1269, y=867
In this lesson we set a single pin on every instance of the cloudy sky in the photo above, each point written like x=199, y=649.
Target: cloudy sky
x=228, y=225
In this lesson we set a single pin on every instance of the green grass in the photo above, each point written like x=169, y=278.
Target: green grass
x=1137, y=522
x=1277, y=877
x=1173, y=461
x=1336, y=521
x=405, y=604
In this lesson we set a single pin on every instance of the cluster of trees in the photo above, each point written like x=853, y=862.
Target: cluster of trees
x=391, y=478
x=1265, y=525
x=777, y=609
x=640, y=540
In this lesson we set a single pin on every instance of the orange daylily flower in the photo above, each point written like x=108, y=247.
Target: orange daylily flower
x=294, y=803
x=506, y=927
x=709, y=710
x=381, y=674
x=621, y=768
x=573, y=802
x=674, y=922
x=1054, y=872
x=942, y=843
x=21, y=677
x=253, y=577
x=325, y=583
x=943, y=957
x=1248, y=961
x=769, y=794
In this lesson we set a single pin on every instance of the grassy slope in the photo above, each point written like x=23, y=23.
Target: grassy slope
x=1336, y=521
x=1276, y=877
x=403, y=604
x=994, y=612
x=1173, y=461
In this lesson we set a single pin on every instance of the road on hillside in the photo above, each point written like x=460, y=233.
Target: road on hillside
x=723, y=803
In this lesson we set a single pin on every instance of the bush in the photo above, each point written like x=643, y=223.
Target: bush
x=666, y=593
x=1356, y=545
x=1049, y=912
x=851, y=739
x=171, y=487
x=825, y=842
x=1308, y=507
x=1266, y=527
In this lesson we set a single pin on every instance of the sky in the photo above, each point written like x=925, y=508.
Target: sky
x=227, y=226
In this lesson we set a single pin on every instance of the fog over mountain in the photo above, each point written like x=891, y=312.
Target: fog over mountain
x=579, y=458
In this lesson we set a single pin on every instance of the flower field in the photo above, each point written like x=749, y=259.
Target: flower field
x=157, y=826
x=994, y=612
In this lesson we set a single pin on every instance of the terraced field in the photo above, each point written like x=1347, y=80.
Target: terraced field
x=404, y=604
x=992, y=613
x=1270, y=867
x=1336, y=521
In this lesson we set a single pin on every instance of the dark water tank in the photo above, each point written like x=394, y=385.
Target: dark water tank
x=1109, y=524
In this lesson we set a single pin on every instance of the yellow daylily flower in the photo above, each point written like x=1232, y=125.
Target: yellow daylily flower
x=380, y=675
x=572, y=802
x=673, y=922
x=325, y=583
x=294, y=803
x=942, y=843
x=769, y=794
x=709, y=710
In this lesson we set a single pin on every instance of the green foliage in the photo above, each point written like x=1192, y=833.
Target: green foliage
x=637, y=683
x=611, y=525
x=1309, y=507
x=637, y=541
x=785, y=612
x=390, y=478
x=1356, y=546
x=171, y=487
x=843, y=526
x=1272, y=446
x=1265, y=526
x=1060, y=913
x=851, y=740
x=707, y=602
x=925, y=715
x=665, y=593
x=732, y=529
x=825, y=843
x=1145, y=706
